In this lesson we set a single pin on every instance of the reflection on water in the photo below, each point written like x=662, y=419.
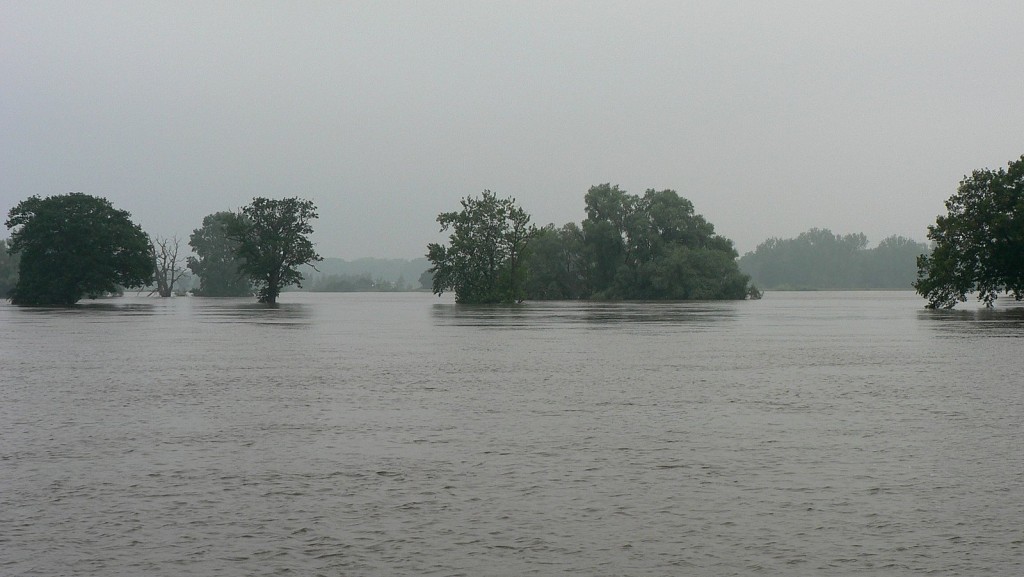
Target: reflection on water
x=121, y=306
x=1005, y=321
x=246, y=311
x=231, y=310
x=551, y=314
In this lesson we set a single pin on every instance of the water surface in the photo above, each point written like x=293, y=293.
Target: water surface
x=400, y=434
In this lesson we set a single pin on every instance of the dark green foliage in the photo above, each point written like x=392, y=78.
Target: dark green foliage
x=655, y=247
x=484, y=262
x=979, y=243
x=75, y=245
x=8, y=269
x=630, y=247
x=216, y=262
x=555, y=265
x=820, y=260
x=273, y=241
x=650, y=247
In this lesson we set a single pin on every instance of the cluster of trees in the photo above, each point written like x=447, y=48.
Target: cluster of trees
x=820, y=260
x=66, y=247
x=629, y=247
x=75, y=245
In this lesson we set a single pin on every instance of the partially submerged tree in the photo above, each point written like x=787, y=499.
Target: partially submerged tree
x=979, y=243
x=216, y=262
x=169, y=267
x=75, y=245
x=273, y=242
x=484, y=262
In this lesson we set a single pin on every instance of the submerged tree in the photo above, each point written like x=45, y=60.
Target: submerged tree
x=484, y=261
x=979, y=243
x=75, y=245
x=168, y=266
x=216, y=262
x=273, y=242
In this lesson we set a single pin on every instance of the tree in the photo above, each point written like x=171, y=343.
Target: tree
x=74, y=245
x=273, y=241
x=485, y=260
x=978, y=246
x=216, y=262
x=655, y=247
x=426, y=280
x=8, y=269
x=168, y=267
x=555, y=266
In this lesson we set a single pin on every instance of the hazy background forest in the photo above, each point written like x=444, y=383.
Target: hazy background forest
x=820, y=260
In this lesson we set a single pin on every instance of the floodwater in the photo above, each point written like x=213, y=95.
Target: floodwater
x=399, y=434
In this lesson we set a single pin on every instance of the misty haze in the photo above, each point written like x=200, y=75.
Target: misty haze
x=511, y=288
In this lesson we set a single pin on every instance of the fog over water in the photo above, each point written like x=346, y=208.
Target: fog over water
x=399, y=434
x=772, y=117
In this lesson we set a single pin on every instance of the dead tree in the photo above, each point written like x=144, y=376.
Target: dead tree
x=169, y=268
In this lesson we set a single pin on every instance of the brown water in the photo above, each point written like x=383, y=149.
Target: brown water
x=399, y=434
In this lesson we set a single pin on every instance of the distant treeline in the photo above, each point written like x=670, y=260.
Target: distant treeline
x=367, y=275
x=389, y=269
x=820, y=260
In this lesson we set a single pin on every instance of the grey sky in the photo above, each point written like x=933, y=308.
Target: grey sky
x=772, y=117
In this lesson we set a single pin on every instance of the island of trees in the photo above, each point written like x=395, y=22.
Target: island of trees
x=649, y=247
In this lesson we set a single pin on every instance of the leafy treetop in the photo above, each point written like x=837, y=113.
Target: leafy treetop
x=484, y=261
x=216, y=261
x=273, y=241
x=75, y=245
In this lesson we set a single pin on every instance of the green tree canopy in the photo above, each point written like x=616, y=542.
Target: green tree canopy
x=216, y=262
x=655, y=246
x=484, y=262
x=555, y=266
x=75, y=245
x=273, y=242
x=979, y=243
x=633, y=247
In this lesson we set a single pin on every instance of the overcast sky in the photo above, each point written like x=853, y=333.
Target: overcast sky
x=772, y=117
